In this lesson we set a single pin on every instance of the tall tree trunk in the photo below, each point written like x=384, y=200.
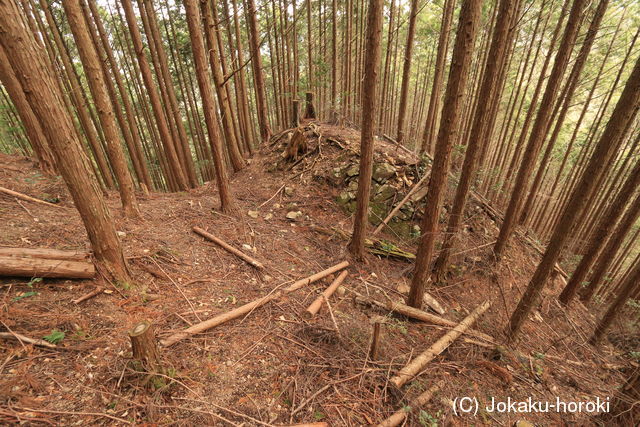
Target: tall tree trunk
x=97, y=85
x=369, y=105
x=218, y=79
x=152, y=92
x=468, y=24
x=605, y=226
x=436, y=89
x=540, y=126
x=624, y=113
x=42, y=93
x=406, y=70
x=258, y=77
x=630, y=285
x=202, y=75
x=479, y=131
x=32, y=127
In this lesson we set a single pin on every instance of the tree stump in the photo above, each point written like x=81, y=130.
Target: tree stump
x=310, y=110
x=295, y=113
x=374, y=348
x=297, y=145
x=143, y=345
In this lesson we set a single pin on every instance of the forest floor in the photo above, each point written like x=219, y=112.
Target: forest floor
x=273, y=367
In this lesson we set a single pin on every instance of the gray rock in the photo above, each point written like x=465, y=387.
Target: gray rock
x=385, y=192
x=383, y=171
x=294, y=215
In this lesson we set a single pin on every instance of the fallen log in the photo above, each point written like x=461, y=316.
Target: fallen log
x=22, y=338
x=14, y=266
x=26, y=198
x=313, y=309
x=227, y=247
x=417, y=314
x=401, y=414
x=395, y=210
x=249, y=307
x=417, y=365
x=45, y=253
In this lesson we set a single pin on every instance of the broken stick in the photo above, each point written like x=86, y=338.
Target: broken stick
x=315, y=305
x=227, y=247
x=26, y=198
x=375, y=337
x=401, y=414
x=22, y=338
x=417, y=365
x=249, y=307
x=395, y=210
x=417, y=314
x=93, y=293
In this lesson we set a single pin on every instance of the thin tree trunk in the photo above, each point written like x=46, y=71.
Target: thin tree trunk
x=406, y=69
x=468, y=24
x=625, y=112
x=369, y=105
x=258, y=77
x=479, y=131
x=97, y=85
x=200, y=60
x=436, y=89
x=42, y=93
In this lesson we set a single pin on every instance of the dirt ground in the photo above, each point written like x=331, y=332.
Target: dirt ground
x=274, y=366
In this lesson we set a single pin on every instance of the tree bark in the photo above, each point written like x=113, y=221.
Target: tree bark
x=152, y=92
x=441, y=57
x=502, y=34
x=447, y=136
x=200, y=60
x=406, y=70
x=369, y=105
x=32, y=127
x=258, y=77
x=46, y=102
x=97, y=85
x=624, y=113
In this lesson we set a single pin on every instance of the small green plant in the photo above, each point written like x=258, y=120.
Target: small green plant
x=317, y=415
x=398, y=325
x=635, y=355
x=54, y=337
x=427, y=420
x=29, y=293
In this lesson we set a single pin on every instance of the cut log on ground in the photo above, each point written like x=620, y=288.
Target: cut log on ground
x=25, y=339
x=417, y=365
x=144, y=347
x=26, y=198
x=12, y=266
x=313, y=309
x=250, y=306
x=45, y=253
x=227, y=247
x=417, y=314
x=401, y=414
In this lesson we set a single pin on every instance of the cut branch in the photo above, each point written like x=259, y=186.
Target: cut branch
x=416, y=365
x=227, y=247
x=26, y=198
x=22, y=338
x=315, y=305
x=401, y=414
x=249, y=307
x=414, y=313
